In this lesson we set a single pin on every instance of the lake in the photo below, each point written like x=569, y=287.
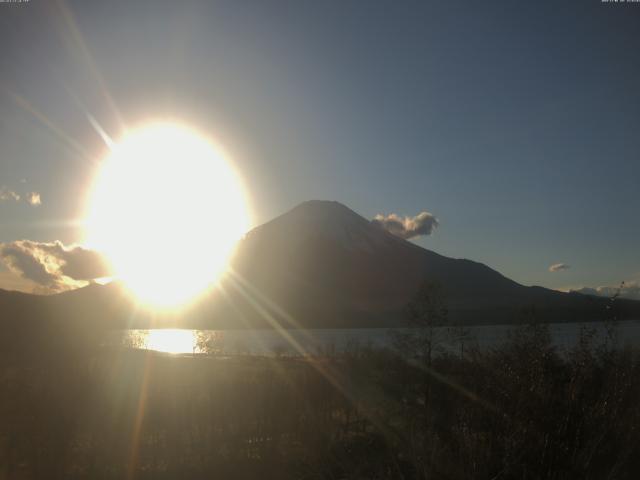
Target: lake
x=335, y=341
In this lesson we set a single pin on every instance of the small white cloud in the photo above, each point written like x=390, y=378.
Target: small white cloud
x=8, y=195
x=33, y=199
x=558, y=267
x=407, y=227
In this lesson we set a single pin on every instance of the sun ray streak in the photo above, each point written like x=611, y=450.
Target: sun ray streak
x=78, y=40
x=139, y=418
x=261, y=310
x=44, y=120
x=453, y=385
x=334, y=377
x=99, y=130
x=271, y=304
x=104, y=136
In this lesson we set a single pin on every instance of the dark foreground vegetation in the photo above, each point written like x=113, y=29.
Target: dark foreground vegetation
x=523, y=411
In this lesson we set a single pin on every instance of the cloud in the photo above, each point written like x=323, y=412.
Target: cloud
x=8, y=195
x=83, y=264
x=53, y=266
x=558, y=267
x=33, y=199
x=407, y=227
x=630, y=290
x=30, y=266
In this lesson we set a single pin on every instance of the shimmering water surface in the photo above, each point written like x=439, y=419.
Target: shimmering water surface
x=334, y=341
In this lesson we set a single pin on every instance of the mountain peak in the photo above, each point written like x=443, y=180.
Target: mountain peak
x=330, y=220
x=324, y=207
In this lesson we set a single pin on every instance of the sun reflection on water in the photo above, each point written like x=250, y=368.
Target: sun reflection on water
x=170, y=341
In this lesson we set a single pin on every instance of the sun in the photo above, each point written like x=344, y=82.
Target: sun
x=167, y=210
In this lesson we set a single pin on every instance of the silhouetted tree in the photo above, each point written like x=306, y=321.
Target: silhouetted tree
x=426, y=313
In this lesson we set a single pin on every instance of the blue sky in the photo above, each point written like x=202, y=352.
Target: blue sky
x=516, y=124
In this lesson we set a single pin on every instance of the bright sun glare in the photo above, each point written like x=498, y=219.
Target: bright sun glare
x=167, y=210
x=170, y=341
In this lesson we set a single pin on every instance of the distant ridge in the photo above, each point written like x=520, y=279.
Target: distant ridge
x=323, y=265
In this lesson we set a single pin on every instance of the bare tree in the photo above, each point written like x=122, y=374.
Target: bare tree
x=427, y=313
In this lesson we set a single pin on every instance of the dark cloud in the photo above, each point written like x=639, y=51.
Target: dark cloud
x=630, y=290
x=558, y=267
x=407, y=227
x=76, y=262
x=53, y=266
x=22, y=261
x=83, y=264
